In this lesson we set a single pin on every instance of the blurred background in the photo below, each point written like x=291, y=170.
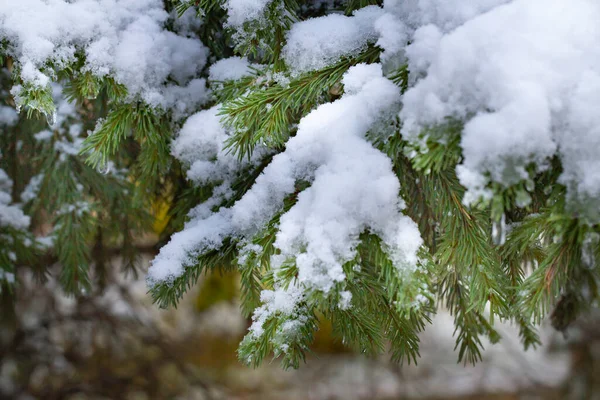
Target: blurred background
x=115, y=344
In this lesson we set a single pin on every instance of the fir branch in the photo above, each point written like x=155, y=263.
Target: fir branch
x=106, y=140
x=268, y=115
x=466, y=322
x=290, y=346
x=73, y=232
x=563, y=259
x=168, y=294
x=465, y=244
x=36, y=101
x=357, y=328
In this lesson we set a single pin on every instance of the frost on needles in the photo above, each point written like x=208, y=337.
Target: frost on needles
x=363, y=162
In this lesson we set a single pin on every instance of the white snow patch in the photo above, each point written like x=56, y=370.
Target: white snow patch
x=123, y=38
x=319, y=42
x=231, y=68
x=524, y=77
x=241, y=11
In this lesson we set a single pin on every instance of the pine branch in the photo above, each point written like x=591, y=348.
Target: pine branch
x=267, y=115
x=168, y=294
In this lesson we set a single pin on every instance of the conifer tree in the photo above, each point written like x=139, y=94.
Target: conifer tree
x=364, y=161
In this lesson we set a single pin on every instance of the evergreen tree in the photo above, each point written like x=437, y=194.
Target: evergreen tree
x=363, y=161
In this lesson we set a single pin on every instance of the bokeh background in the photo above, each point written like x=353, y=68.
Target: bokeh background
x=113, y=343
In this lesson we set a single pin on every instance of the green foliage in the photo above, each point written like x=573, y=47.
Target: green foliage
x=86, y=86
x=81, y=202
x=517, y=255
x=83, y=213
x=385, y=308
x=268, y=113
x=36, y=101
x=168, y=295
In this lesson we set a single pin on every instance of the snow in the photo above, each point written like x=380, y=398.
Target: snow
x=123, y=38
x=11, y=215
x=8, y=116
x=393, y=36
x=32, y=189
x=68, y=140
x=188, y=23
x=242, y=11
x=347, y=196
x=7, y=276
x=78, y=208
x=201, y=145
x=345, y=300
x=426, y=41
x=353, y=189
x=444, y=14
x=282, y=302
x=524, y=76
x=319, y=42
x=231, y=68
x=43, y=136
x=184, y=99
x=45, y=242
